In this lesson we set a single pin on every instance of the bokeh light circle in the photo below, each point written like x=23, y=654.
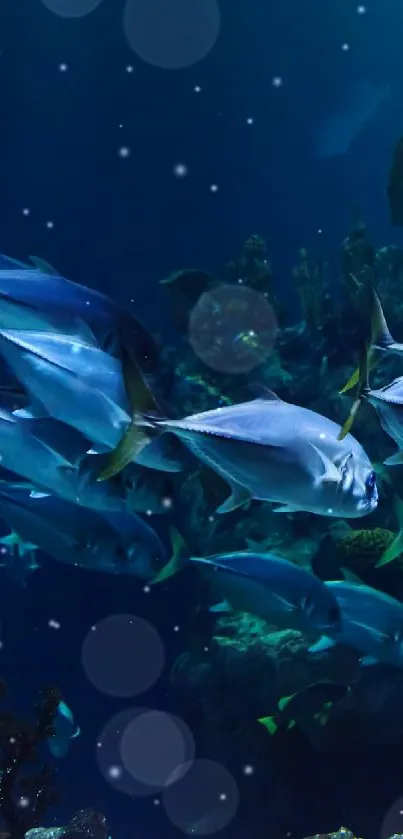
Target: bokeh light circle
x=123, y=655
x=114, y=754
x=232, y=328
x=204, y=800
x=393, y=822
x=156, y=748
x=72, y=8
x=171, y=34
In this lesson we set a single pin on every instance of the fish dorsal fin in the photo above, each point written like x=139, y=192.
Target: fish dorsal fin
x=43, y=266
x=7, y=264
x=262, y=392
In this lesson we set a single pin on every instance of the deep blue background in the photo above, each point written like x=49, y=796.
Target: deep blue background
x=122, y=224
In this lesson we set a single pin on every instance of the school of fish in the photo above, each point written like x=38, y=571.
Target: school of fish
x=85, y=451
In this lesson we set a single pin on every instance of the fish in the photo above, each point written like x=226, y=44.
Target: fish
x=52, y=457
x=19, y=559
x=38, y=298
x=70, y=379
x=269, y=450
x=371, y=623
x=359, y=107
x=65, y=730
x=273, y=589
x=111, y=542
x=381, y=343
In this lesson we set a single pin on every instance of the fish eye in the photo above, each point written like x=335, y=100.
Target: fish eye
x=370, y=484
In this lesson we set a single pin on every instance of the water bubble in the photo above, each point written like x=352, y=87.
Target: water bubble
x=126, y=771
x=204, y=800
x=71, y=8
x=232, y=328
x=171, y=34
x=155, y=746
x=123, y=655
x=393, y=821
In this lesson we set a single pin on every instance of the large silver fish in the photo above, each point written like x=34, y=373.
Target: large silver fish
x=388, y=403
x=273, y=451
x=117, y=543
x=274, y=589
x=371, y=623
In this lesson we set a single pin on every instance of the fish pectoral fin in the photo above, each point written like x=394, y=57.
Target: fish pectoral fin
x=178, y=560
x=240, y=495
x=287, y=508
x=394, y=459
x=324, y=643
x=220, y=608
x=331, y=474
x=36, y=493
x=368, y=661
x=76, y=733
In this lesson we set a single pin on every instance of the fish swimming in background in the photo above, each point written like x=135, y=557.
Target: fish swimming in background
x=273, y=589
x=65, y=731
x=115, y=543
x=269, y=450
x=381, y=342
x=307, y=708
x=338, y=130
x=371, y=623
x=37, y=297
x=18, y=558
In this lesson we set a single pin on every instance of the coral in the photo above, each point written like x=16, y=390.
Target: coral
x=341, y=833
x=84, y=825
x=25, y=795
x=368, y=544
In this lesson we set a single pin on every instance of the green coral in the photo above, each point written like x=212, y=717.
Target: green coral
x=369, y=544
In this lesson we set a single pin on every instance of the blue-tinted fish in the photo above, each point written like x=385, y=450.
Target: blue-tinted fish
x=269, y=450
x=39, y=298
x=118, y=543
x=72, y=380
x=65, y=731
x=279, y=592
x=371, y=623
x=52, y=456
x=339, y=129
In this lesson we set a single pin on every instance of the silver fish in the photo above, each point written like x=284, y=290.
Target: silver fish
x=372, y=623
x=388, y=403
x=274, y=589
x=116, y=543
x=52, y=457
x=72, y=380
x=275, y=451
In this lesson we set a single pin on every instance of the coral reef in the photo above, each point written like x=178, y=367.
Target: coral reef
x=86, y=824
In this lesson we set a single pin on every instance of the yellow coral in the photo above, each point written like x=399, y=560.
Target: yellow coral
x=366, y=542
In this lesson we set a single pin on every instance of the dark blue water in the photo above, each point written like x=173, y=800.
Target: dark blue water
x=120, y=223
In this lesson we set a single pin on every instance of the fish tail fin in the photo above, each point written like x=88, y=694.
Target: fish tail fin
x=362, y=389
x=144, y=410
x=178, y=560
x=396, y=548
x=269, y=723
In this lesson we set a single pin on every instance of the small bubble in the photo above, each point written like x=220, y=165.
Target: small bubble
x=129, y=68
x=181, y=170
x=361, y=10
x=50, y=225
x=176, y=628
x=197, y=88
x=114, y=771
x=248, y=769
x=213, y=187
x=345, y=47
x=167, y=503
x=53, y=624
x=26, y=211
x=277, y=81
x=124, y=152
x=250, y=121
x=63, y=67
x=23, y=801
